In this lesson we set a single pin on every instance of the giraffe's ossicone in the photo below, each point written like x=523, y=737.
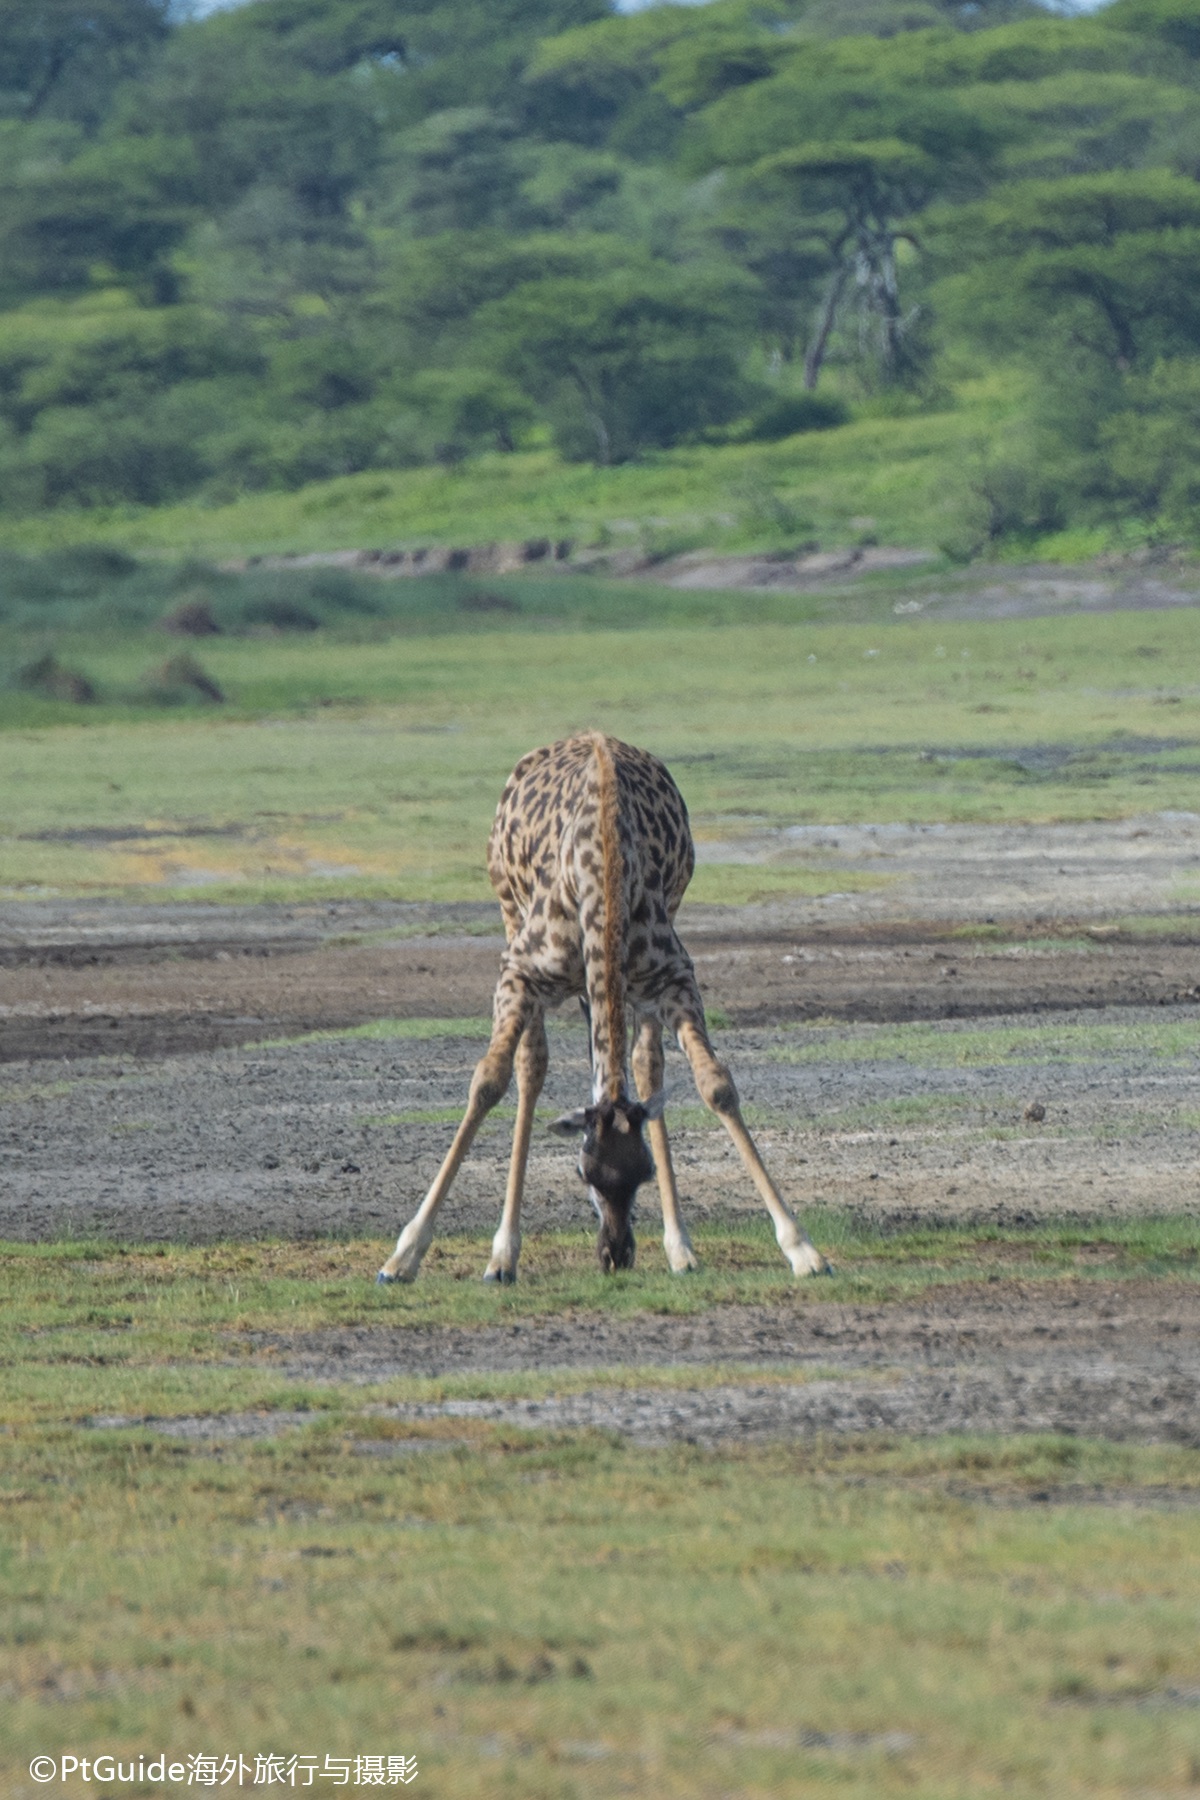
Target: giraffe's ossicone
x=590, y=855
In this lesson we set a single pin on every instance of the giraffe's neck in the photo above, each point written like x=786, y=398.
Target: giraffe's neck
x=609, y=1078
x=609, y=1048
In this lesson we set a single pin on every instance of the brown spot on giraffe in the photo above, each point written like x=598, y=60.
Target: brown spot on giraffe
x=591, y=835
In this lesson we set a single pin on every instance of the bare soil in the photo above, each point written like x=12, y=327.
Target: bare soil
x=342, y=1136
x=1070, y=1357
x=148, y=1093
x=102, y=978
x=150, y=1008
x=1004, y=591
x=1069, y=1322
x=1148, y=581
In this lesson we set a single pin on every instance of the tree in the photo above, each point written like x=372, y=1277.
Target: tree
x=632, y=359
x=120, y=208
x=863, y=190
x=1151, y=448
x=872, y=153
x=761, y=231
x=465, y=410
x=1175, y=23
x=1093, y=283
x=69, y=54
x=1106, y=264
x=438, y=285
x=457, y=171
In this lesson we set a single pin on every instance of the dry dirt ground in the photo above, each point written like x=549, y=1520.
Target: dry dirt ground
x=1123, y=1365
x=101, y=978
x=1148, y=582
x=343, y=1136
x=155, y=1086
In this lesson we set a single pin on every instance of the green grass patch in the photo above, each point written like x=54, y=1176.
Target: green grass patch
x=429, y=1115
x=390, y=789
x=948, y=1045
x=382, y=1030
x=740, y=884
x=542, y=1612
x=915, y=1112
x=322, y=606
x=1078, y=945
x=1158, y=925
x=18, y=1093
x=539, y=1609
x=905, y=473
x=110, y=1329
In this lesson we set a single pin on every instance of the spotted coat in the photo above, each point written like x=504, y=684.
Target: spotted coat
x=590, y=855
x=585, y=915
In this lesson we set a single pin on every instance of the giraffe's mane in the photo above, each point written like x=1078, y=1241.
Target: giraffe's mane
x=613, y=885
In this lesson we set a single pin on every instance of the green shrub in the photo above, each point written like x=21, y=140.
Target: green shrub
x=793, y=413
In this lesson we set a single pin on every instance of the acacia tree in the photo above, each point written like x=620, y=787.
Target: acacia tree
x=628, y=360
x=48, y=45
x=1107, y=264
x=855, y=197
x=1093, y=282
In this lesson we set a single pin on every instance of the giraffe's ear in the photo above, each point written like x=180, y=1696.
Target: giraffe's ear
x=569, y=1123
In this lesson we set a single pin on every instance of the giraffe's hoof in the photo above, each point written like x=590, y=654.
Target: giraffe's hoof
x=505, y=1277
x=682, y=1260
x=812, y=1265
x=383, y=1279
x=803, y=1257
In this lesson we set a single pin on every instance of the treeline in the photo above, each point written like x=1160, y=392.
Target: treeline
x=310, y=237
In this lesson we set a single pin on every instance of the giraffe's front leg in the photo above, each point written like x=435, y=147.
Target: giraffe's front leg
x=532, y=1060
x=715, y=1084
x=648, y=1070
x=489, y=1084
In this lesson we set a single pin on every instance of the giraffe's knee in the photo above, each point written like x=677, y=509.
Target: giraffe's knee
x=716, y=1088
x=533, y=1059
x=489, y=1084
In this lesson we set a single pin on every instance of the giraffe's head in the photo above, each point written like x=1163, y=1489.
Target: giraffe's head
x=614, y=1161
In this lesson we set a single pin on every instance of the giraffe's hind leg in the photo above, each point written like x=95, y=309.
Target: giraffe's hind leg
x=512, y=1009
x=531, y=1061
x=648, y=1067
x=683, y=1012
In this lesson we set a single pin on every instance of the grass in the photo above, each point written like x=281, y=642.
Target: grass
x=342, y=767
x=947, y=1044
x=903, y=478
x=101, y=1329
x=87, y=595
x=548, y=1615
x=565, y=1614
x=291, y=1595
x=380, y=1030
x=560, y=1616
x=569, y=1615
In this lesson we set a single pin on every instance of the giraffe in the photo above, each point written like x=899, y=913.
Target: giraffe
x=589, y=855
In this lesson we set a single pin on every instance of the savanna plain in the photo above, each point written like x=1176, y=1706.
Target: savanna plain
x=926, y=1525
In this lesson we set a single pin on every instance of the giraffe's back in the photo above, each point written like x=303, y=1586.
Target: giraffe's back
x=545, y=855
